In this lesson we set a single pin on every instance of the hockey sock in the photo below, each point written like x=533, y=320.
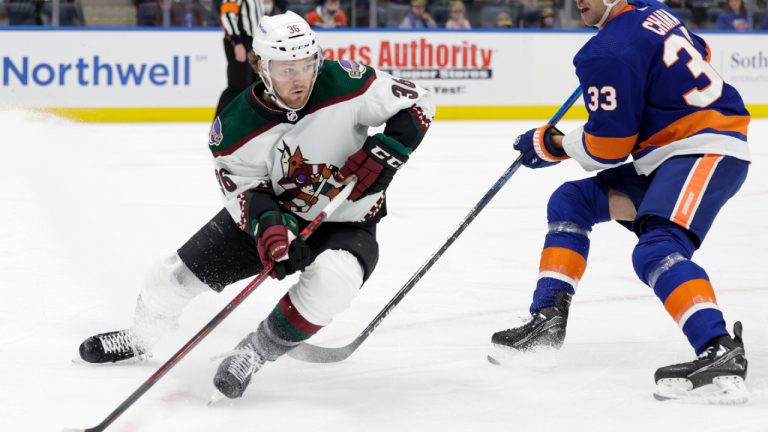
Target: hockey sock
x=168, y=288
x=573, y=209
x=662, y=260
x=326, y=287
x=284, y=329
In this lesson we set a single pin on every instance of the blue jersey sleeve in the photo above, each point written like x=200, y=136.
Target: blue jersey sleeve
x=613, y=94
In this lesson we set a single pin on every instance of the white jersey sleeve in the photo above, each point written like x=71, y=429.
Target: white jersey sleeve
x=389, y=95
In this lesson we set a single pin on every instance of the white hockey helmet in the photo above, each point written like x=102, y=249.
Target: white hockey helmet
x=285, y=37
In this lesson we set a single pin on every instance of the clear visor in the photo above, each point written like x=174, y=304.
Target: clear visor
x=290, y=70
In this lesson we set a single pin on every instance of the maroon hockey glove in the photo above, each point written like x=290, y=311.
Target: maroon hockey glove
x=277, y=242
x=374, y=165
x=536, y=147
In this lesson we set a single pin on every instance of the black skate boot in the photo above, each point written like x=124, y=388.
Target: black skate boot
x=235, y=371
x=715, y=377
x=111, y=347
x=545, y=329
x=541, y=335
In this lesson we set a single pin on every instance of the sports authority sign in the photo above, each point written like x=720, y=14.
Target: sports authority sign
x=467, y=68
x=421, y=58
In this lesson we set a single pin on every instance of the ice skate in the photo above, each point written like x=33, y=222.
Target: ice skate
x=115, y=346
x=539, y=337
x=235, y=371
x=715, y=377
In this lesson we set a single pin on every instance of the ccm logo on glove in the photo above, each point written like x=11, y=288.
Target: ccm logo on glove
x=374, y=165
x=385, y=156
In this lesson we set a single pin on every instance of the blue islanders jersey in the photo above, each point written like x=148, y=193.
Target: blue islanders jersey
x=651, y=92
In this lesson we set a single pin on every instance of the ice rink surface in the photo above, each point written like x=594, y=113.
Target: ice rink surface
x=86, y=207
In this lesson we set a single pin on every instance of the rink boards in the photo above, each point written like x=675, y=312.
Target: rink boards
x=178, y=75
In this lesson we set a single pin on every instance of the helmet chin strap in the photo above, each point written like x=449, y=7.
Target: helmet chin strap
x=608, y=7
x=276, y=99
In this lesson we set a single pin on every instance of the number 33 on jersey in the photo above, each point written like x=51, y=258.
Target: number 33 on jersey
x=651, y=93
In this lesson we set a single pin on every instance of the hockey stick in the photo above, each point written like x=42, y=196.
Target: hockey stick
x=306, y=232
x=316, y=354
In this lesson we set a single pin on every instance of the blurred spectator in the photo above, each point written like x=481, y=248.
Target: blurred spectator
x=327, y=15
x=457, y=20
x=734, y=17
x=70, y=14
x=188, y=13
x=503, y=20
x=24, y=12
x=674, y=4
x=764, y=25
x=149, y=13
x=547, y=19
x=270, y=8
x=417, y=17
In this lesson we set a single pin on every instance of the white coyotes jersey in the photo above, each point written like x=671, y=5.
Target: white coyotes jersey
x=295, y=154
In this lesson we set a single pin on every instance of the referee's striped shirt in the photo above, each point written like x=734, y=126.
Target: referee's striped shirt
x=239, y=18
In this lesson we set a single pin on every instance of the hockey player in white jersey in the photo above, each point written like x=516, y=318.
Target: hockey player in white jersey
x=282, y=150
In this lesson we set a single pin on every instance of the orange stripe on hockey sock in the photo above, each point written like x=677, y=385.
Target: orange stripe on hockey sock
x=689, y=199
x=687, y=295
x=564, y=261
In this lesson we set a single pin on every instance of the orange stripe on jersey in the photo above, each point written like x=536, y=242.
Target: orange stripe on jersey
x=688, y=201
x=609, y=148
x=626, y=8
x=687, y=295
x=695, y=122
x=564, y=261
x=229, y=8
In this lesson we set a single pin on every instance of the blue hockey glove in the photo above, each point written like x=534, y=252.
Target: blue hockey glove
x=536, y=147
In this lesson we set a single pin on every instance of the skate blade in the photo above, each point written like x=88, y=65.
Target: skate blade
x=540, y=360
x=215, y=398
x=724, y=390
x=142, y=358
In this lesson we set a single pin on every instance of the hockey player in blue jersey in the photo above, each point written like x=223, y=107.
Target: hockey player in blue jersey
x=651, y=94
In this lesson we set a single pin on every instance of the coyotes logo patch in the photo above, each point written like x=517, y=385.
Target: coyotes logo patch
x=215, y=135
x=353, y=68
x=304, y=182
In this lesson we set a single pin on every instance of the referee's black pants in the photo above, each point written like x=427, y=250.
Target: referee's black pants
x=239, y=75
